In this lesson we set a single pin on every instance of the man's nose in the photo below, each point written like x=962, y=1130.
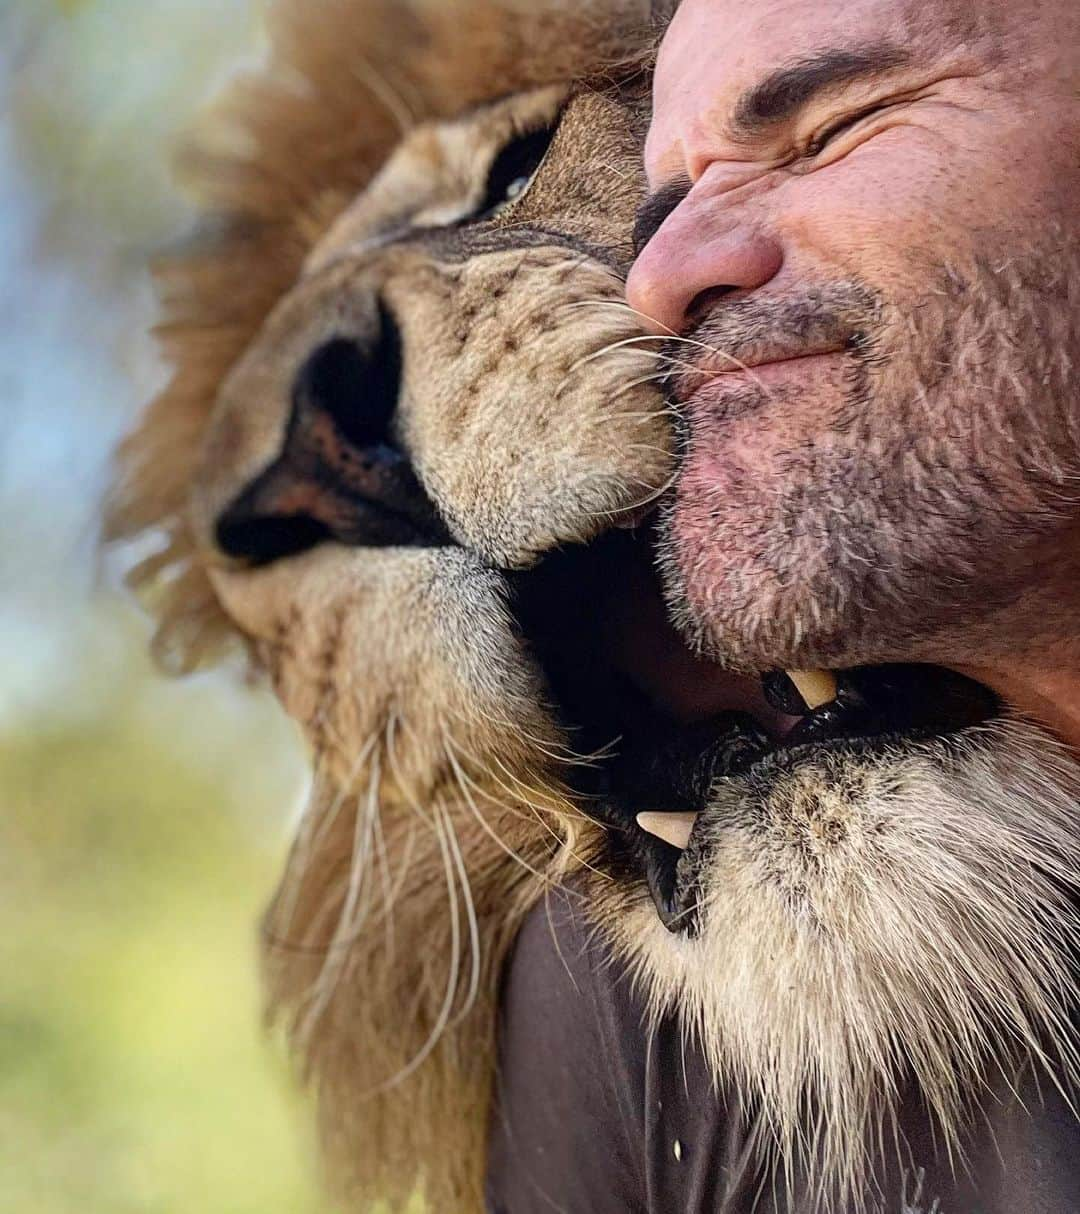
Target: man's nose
x=693, y=260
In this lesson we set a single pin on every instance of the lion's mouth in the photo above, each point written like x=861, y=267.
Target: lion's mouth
x=657, y=726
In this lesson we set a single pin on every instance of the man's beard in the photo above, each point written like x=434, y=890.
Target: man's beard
x=900, y=505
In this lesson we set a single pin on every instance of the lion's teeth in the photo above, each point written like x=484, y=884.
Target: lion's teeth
x=672, y=828
x=816, y=687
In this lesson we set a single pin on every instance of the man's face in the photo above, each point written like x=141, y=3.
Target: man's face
x=864, y=231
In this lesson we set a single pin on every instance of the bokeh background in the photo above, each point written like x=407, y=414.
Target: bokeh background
x=141, y=820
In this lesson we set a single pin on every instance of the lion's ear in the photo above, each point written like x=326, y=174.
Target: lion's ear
x=288, y=146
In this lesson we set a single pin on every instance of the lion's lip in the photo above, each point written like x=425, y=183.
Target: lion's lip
x=656, y=790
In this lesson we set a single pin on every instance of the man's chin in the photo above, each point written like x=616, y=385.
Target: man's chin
x=749, y=550
x=741, y=608
x=768, y=569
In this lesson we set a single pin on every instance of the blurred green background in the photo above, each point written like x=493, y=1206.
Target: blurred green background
x=141, y=821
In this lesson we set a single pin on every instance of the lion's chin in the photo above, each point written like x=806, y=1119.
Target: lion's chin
x=874, y=922
x=666, y=736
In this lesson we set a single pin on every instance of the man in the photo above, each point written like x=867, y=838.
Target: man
x=896, y=178
x=914, y=168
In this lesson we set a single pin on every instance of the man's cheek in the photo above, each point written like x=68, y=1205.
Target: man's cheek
x=876, y=212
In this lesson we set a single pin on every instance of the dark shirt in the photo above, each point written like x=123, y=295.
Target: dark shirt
x=594, y=1116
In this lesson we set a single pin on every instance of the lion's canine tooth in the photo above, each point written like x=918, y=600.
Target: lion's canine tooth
x=672, y=828
x=816, y=687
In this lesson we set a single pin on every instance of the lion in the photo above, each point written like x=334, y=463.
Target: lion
x=413, y=458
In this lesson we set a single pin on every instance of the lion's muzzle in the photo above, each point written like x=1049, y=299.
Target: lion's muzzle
x=342, y=473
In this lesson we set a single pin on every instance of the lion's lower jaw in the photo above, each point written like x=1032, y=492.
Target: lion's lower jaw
x=909, y=921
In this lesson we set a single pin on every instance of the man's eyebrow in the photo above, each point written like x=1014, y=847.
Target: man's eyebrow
x=782, y=94
x=656, y=208
x=772, y=102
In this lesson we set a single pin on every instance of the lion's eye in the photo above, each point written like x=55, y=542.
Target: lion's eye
x=513, y=169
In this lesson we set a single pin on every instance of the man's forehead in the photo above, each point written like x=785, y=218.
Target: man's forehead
x=761, y=32
x=722, y=48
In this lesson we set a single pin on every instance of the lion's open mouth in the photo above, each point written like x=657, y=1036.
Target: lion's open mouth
x=658, y=726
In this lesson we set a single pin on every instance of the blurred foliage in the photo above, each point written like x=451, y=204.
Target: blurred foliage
x=142, y=822
x=133, y=1076
x=99, y=96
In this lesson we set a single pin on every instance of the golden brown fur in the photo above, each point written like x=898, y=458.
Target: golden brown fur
x=902, y=918
x=341, y=175
x=435, y=821
x=292, y=146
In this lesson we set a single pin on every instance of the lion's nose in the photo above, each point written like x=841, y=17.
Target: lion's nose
x=341, y=474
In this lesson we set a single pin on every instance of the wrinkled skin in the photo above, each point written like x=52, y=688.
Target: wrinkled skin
x=910, y=493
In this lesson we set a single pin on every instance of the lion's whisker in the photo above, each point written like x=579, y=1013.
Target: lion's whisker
x=315, y=828
x=464, y=784
x=473, y=923
x=407, y=791
x=670, y=336
x=566, y=810
x=622, y=305
x=386, y=881
x=330, y=972
x=443, y=1018
x=544, y=746
x=389, y=96
x=571, y=812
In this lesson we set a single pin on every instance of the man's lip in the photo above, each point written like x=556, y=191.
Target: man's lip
x=711, y=370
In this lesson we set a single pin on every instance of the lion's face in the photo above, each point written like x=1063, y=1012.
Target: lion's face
x=449, y=334
x=450, y=391
x=429, y=494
